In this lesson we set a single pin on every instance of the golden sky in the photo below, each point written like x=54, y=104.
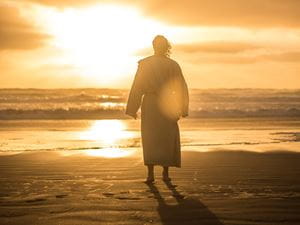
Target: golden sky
x=97, y=43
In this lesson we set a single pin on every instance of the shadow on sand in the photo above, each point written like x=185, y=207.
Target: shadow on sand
x=187, y=211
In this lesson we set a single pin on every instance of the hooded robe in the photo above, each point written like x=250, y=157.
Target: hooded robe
x=160, y=90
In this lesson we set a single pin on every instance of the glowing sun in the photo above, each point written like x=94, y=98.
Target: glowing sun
x=101, y=41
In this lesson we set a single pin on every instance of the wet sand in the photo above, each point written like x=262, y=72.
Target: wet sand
x=210, y=188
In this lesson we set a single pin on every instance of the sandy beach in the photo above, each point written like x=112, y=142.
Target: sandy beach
x=79, y=172
x=94, y=93
x=210, y=188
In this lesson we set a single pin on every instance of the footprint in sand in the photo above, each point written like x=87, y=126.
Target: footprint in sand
x=35, y=200
x=123, y=195
x=108, y=194
x=127, y=198
x=61, y=196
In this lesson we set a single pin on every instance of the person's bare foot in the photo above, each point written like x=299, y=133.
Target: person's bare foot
x=166, y=179
x=165, y=176
x=150, y=179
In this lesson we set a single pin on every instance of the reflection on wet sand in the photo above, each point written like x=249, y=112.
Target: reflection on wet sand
x=109, y=133
x=109, y=152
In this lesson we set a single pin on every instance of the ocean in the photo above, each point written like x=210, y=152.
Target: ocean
x=93, y=121
x=110, y=103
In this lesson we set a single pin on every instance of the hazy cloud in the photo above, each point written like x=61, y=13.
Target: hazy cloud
x=67, y=3
x=285, y=57
x=216, y=47
x=15, y=33
x=253, y=13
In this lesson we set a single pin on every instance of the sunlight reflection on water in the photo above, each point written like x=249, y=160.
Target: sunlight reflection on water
x=109, y=152
x=109, y=133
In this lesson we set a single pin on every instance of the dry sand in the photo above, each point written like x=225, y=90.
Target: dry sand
x=210, y=188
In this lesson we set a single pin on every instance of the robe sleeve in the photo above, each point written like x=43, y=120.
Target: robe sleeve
x=184, y=94
x=136, y=93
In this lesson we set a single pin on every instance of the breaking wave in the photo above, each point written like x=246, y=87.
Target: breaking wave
x=111, y=103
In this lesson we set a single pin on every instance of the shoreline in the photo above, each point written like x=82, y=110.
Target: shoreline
x=120, y=115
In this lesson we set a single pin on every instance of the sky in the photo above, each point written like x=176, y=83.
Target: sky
x=98, y=43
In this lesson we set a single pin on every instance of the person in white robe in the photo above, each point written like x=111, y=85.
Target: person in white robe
x=159, y=88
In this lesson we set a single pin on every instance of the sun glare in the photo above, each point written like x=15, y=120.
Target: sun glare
x=106, y=131
x=109, y=152
x=102, y=40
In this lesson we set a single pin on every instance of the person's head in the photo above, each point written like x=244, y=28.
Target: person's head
x=161, y=46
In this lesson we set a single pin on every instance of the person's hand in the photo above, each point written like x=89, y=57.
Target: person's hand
x=185, y=115
x=174, y=116
x=134, y=116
